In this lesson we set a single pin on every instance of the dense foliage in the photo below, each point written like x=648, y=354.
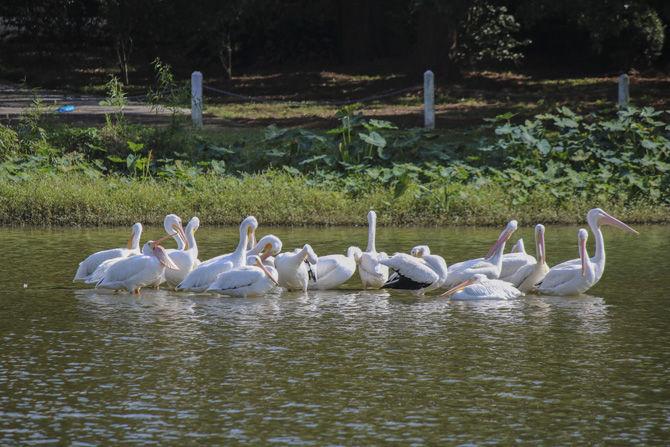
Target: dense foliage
x=446, y=35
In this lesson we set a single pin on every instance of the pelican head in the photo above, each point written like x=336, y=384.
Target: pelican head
x=420, y=251
x=172, y=224
x=269, y=245
x=354, y=252
x=510, y=228
x=248, y=227
x=472, y=280
x=597, y=217
x=256, y=261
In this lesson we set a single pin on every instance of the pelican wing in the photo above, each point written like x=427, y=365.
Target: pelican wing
x=560, y=275
x=412, y=268
x=370, y=263
x=88, y=265
x=99, y=272
x=488, y=290
x=236, y=279
x=200, y=278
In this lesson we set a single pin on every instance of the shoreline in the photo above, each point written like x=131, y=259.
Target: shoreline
x=278, y=200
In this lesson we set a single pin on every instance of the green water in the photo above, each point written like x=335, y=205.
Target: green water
x=80, y=367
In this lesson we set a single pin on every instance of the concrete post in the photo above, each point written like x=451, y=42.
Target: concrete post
x=429, y=100
x=624, y=90
x=196, y=99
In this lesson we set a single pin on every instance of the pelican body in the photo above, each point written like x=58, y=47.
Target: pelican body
x=139, y=271
x=201, y=277
x=480, y=287
x=252, y=279
x=296, y=268
x=569, y=278
x=373, y=274
x=334, y=270
x=88, y=266
x=490, y=266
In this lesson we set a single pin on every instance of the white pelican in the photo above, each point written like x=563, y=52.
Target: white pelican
x=334, y=270
x=528, y=275
x=435, y=262
x=595, y=218
x=490, y=266
x=253, y=279
x=201, y=277
x=266, y=248
x=88, y=265
x=479, y=287
x=135, y=272
x=185, y=259
x=296, y=268
x=410, y=273
x=571, y=278
x=373, y=274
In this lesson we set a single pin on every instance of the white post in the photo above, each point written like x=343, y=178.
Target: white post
x=429, y=100
x=624, y=92
x=196, y=99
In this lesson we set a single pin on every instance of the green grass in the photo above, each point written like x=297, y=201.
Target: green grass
x=277, y=198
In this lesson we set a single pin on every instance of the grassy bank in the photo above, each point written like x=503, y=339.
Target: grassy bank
x=279, y=198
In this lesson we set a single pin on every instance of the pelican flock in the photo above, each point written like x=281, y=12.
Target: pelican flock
x=257, y=267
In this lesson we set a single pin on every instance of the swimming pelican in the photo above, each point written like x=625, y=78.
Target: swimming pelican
x=201, y=277
x=569, y=278
x=595, y=218
x=296, y=268
x=334, y=270
x=373, y=274
x=185, y=259
x=410, y=273
x=480, y=287
x=435, y=262
x=253, y=279
x=490, y=266
x=135, y=272
x=266, y=248
x=88, y=265
x=528, y=275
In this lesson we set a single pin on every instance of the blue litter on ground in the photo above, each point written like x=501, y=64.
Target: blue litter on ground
x=66, y=108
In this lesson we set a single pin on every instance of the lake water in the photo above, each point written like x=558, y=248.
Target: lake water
x=84, y=367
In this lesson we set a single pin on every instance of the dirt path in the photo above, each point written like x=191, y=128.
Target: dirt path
x=16, y=100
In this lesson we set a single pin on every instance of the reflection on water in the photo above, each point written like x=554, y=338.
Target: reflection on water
x=82, y=366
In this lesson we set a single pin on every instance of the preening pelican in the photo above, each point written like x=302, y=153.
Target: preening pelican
x=200, y=278
x=88, y=265
x=266, y=248
x=185, y=259
x=410, y=273
x=296, y=268
x=135, y=272
x=253, y=279
x=334, y=270
x=435, y=262
x=527, y=276
x=373, y=274
x=479, y=287
x=569, y=278
x=490, y=266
